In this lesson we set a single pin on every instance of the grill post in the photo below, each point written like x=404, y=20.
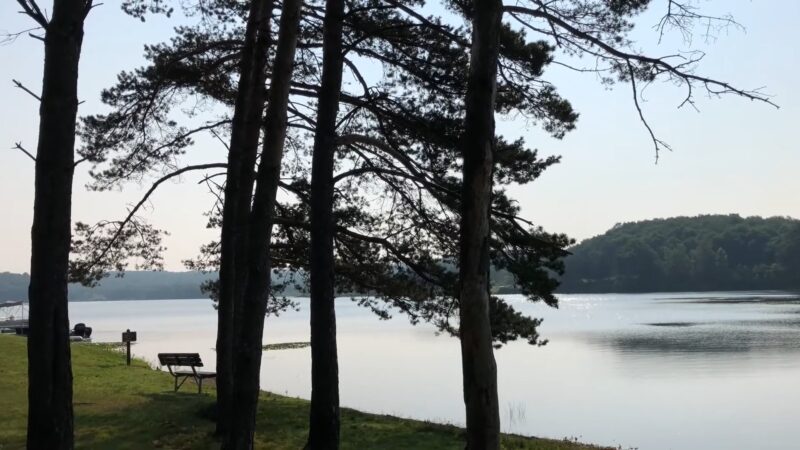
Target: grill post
x=128, y=336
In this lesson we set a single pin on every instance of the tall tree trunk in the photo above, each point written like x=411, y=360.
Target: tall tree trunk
x=245, y=131
x=478, y=364
x=324, y=424
x=247, y=355
x=324, y=421
x=50, y=420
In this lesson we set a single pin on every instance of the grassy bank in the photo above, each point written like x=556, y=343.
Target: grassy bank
x=119, y=407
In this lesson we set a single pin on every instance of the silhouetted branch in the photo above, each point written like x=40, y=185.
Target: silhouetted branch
x=681, y=15
x=146, y=196
x=209, y=177
x=427, y=22
x=385, y=243
x=31, y=9
x=139, y=157
x=577, y=36
x=10, y=38
x=661, y=65
x=19, y=147
x=356, y=73
x=657, y=142
x=217, y=136
x=89, y=6
x=21, y=86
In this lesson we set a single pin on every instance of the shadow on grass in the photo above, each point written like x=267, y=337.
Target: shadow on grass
x=185, y=420
x=157, y=420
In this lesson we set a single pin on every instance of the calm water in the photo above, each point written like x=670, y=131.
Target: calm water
x=653, y=371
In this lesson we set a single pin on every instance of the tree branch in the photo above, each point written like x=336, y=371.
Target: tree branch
x=713, y=86
x=146, y=196
x=10, y=38
x=19, y=147
x=419, y=270
x=31, y=9
x=657, y=142
x=21, y=86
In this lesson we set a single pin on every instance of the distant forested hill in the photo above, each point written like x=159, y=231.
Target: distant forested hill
x=712, y=252
x=133, y=286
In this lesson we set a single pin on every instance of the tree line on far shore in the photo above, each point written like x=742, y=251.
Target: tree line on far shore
x=702, y=253
x=132, y=285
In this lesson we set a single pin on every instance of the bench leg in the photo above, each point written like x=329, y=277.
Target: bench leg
x=200, y=385
x=178, y=385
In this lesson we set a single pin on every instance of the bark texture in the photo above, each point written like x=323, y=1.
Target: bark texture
x=245, y=131
x=324, y=421
x=248, y=345
x=478, y=363
x=50, y=418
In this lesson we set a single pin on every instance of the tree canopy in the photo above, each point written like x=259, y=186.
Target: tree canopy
x=396, y=155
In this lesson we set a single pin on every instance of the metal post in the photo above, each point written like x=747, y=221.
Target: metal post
x=128, y=336
x=128, y=346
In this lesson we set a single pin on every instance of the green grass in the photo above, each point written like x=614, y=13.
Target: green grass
x=119, y=407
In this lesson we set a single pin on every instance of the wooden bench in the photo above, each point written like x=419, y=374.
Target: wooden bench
x=190, y=360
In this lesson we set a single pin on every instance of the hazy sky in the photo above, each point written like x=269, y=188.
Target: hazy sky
x=734, y=156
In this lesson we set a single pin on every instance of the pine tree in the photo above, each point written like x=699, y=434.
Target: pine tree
x=50, y=416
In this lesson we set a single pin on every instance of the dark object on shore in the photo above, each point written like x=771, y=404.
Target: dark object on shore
x=13, y=318
x=128, y=336
x=672, y=324
x=190, y=360
x=81, y=330
x=286, y=346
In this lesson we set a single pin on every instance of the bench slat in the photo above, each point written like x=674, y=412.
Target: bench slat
x=180, y=359
x=195, y=374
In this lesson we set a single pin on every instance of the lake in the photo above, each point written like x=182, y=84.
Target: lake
x=652, y=371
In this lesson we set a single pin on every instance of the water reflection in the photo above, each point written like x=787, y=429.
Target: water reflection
x=704, y=341
x=773, y=299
